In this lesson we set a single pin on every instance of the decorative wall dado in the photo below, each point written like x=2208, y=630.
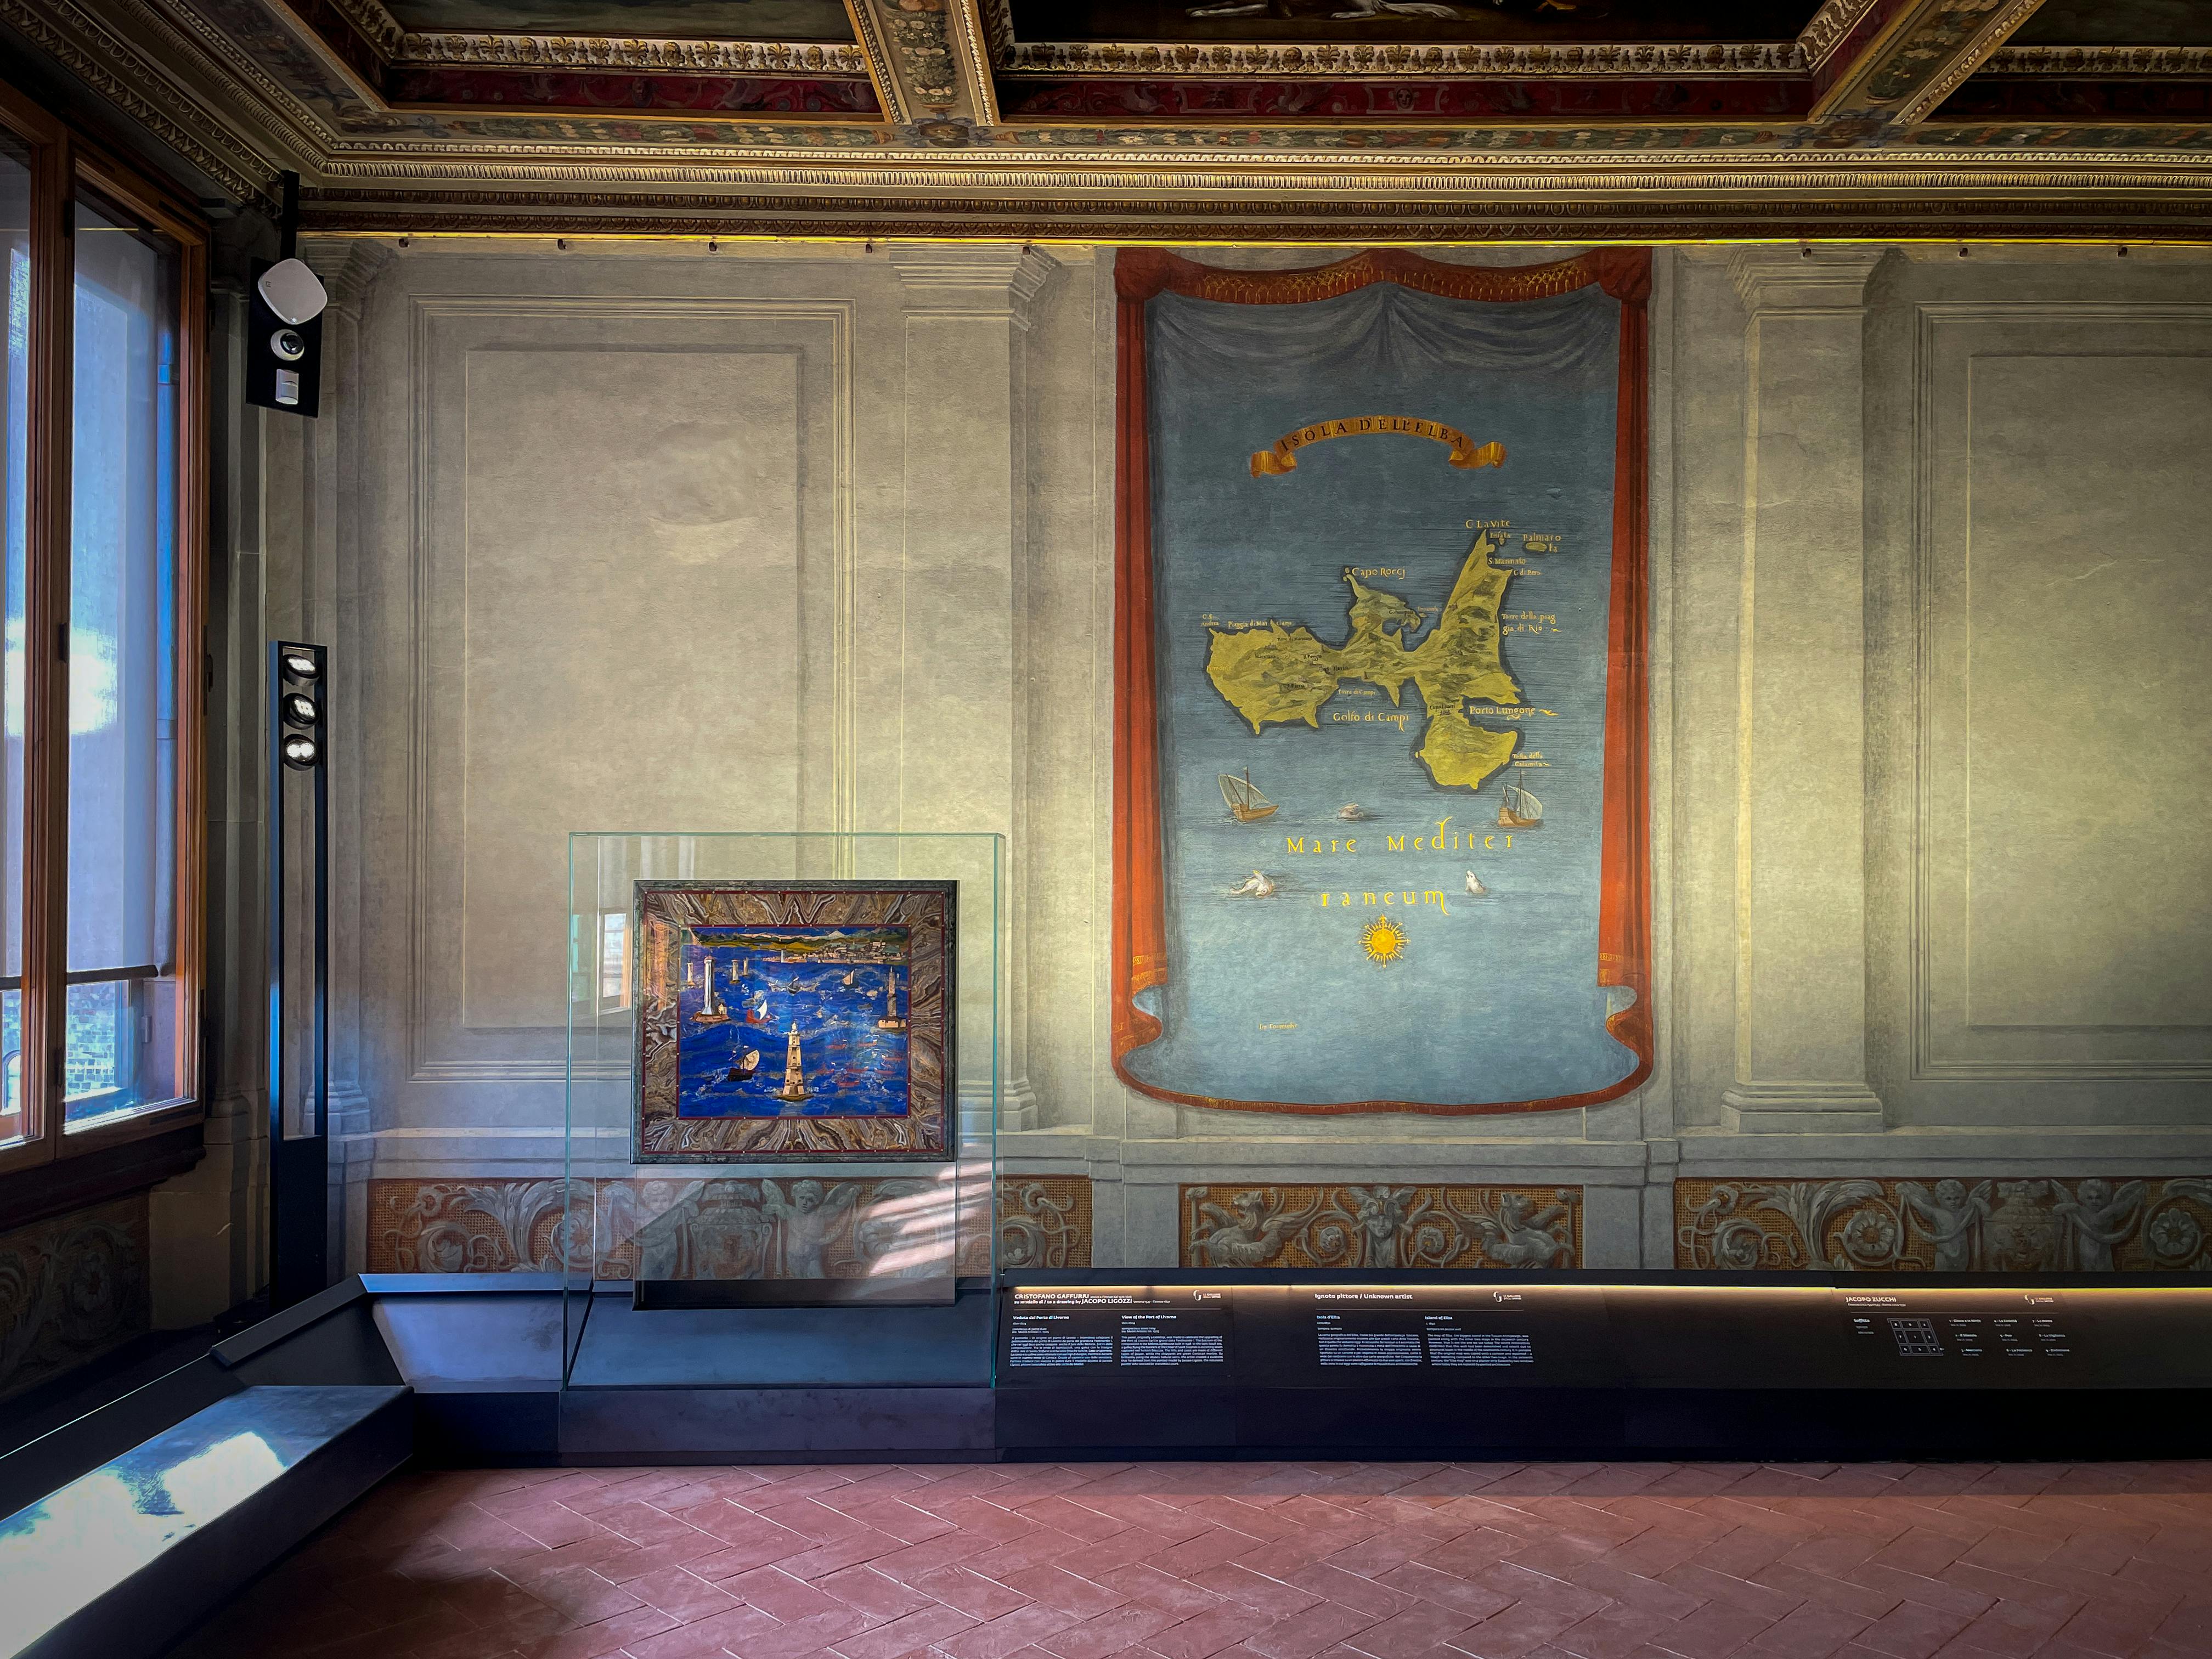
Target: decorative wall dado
x=1953, y=1224
x=71, y=1287
x=1044, y=1221
x=1381, y=1226
x=834, y=1228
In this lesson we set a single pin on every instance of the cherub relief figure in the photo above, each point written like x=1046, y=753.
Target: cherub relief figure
x=807, y=1222
x=2100, y=1218
x=1951, y=1219
x=1253, y=1235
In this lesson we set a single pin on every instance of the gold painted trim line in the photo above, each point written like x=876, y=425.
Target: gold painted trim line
x=889, y=98
x=1987, y=40
x=2098, y=60
x=639, y=52
x=1292, y=60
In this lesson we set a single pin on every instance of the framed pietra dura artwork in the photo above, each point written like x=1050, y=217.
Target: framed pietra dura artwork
x=801, y=1020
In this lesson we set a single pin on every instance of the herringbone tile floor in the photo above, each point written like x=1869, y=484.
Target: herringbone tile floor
x=1252, y=1561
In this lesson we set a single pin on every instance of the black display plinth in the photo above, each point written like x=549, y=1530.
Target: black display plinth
x=1260, y=1363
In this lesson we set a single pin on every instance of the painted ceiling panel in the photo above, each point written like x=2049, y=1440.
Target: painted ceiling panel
x=2118, y=23
x=1380, y=21
x=704, y=20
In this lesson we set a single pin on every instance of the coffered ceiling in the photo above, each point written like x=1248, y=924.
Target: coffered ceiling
x=1280, y=120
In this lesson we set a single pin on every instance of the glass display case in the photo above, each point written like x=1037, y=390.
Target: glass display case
x=783, y=1089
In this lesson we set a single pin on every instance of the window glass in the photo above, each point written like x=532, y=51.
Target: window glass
x=14, y=527
x=123, y=1035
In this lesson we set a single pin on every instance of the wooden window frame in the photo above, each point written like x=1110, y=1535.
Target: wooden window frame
x=64, y=163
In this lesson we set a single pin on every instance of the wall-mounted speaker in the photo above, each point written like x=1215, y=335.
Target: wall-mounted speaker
x=283, y=360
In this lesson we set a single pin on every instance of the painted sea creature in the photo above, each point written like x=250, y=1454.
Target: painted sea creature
x=1259, y=885
x=1474, y=887
x=1354, y=813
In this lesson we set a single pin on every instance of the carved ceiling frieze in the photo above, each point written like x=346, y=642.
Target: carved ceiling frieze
x=595, y=51
x=1883, y=117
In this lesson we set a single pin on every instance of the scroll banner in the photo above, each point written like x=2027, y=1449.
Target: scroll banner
x=1329, y=896
x=1282, y=457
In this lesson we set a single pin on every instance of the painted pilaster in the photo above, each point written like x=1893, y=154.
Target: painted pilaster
x=964, y=749
x=1801, y=806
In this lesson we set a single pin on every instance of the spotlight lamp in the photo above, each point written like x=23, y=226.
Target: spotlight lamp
x=302, y=667
x=301, y=709
x=301, y=751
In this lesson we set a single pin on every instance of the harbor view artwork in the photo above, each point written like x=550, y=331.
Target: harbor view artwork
x=1381, y=737
x=804, y=1021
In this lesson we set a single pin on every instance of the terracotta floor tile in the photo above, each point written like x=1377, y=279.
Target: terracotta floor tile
x=1223, y=1560
x=999, y=1638
x=1109, y=1634
x=911, y=1633
x=1204, y=1636
x=981, y=1599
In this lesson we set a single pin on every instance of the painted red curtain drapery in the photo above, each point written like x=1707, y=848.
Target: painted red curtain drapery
x=1139, y=940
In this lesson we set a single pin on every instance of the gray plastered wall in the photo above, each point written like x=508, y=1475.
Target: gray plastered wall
x=657, y=537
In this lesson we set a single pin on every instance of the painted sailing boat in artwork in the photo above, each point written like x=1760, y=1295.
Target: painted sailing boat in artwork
x=1519, y=810
x=1246, y=804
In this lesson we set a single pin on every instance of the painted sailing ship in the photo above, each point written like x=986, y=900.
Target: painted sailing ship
x=890, y=1021
x=712, y=1010
x=795, y=1072
x=748, y=1065
x=1519, y=810
x=1246, y=804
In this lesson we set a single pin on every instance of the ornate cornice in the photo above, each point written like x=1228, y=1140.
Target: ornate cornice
x=1988, y=38
x=597, y=52
x=1830, y=28
x=378, y=27
x=1814, y=178
x=1292, y=61
x=185, y=32
x=2100, y=61
x=115, y=69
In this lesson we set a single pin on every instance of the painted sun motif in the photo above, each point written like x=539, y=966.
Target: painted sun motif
x=1383, y=940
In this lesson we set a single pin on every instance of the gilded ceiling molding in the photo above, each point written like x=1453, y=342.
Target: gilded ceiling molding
x=379, y=26
x=1919, y=56
x=2079, y=179
x=251, y=97
x=115, y=69
x=1988, y=38
x=2100, y=60
x=1291, y=61
x=598, y=51
x=1830, y=28
x=997, y=17
x=889, y=96
x=968, y=28
x=1545, y=217
x=933, y=49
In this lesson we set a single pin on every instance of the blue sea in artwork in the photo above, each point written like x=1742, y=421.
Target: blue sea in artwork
x=1493, y=997
x=833, y=985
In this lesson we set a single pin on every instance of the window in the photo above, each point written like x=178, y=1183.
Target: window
x=121, y=1049
x=99, y=502
x=15, y=525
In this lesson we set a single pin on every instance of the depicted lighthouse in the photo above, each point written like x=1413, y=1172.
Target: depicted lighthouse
x=794, y=1070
